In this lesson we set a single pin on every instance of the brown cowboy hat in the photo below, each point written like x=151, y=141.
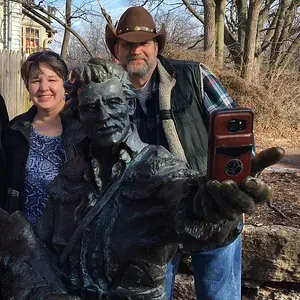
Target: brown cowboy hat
x=136, y=25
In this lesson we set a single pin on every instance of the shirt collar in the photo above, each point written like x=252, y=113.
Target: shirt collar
x=128, y=149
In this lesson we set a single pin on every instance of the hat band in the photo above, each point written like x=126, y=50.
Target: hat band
x=136, y=28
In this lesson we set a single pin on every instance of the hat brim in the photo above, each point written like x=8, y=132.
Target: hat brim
x=134, y=37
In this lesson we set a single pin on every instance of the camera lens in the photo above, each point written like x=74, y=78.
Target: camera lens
x=232, y=125
x=235, y=125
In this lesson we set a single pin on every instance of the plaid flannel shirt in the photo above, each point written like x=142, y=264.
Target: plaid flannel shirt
x=149, y=124
x=215, y=95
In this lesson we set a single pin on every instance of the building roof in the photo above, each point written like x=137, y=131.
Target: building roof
x=39, y=18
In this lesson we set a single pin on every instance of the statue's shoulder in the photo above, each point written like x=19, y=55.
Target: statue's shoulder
x=70, y=184
x=160, y=159
x=158, y=167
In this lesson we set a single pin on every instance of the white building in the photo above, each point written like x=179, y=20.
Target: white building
x=23, y=29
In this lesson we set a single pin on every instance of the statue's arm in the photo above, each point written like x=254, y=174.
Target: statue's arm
x=26, y=260
x=191, y=227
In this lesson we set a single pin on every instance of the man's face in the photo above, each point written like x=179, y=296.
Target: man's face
x=138, y=59
x=104, y=112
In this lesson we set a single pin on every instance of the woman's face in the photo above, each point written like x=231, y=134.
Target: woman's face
x=46, y=89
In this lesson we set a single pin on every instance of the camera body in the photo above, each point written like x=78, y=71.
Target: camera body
x=230, y=144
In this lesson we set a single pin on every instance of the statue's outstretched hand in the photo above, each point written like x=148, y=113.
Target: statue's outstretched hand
x=228, y=200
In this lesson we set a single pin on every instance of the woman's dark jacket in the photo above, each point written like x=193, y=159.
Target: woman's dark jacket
x=17, y=149
x=3, y=125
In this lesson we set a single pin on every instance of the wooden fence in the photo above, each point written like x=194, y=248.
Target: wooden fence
x=12, y=87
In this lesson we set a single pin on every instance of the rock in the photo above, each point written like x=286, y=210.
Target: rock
x=271, y=265
x=184, y=287
x=271, y=254
x=273, y=294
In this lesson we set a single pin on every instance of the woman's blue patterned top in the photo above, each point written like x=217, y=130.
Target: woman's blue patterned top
x=46, y=157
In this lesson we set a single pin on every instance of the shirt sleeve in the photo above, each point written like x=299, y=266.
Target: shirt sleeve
x=215, y=95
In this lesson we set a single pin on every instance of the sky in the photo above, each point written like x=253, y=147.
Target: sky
x=113, y=7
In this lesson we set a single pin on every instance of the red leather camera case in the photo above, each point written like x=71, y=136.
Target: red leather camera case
x=229, y=155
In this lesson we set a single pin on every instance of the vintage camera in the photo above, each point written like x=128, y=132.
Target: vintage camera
x=230, y=144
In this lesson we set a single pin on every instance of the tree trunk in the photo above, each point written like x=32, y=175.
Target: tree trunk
x=209, y=28
x=282, y=31
x=278, y=29
x=67, y=34
x=268, y=35
x=242, y=21
x=220, y=26
x=231, y=43
x=287, y=58
x=250, y=42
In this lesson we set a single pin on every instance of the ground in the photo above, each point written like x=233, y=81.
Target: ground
x=284, y=210
x=284, y=178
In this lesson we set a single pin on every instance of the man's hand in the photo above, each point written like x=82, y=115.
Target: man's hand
x=228, y=200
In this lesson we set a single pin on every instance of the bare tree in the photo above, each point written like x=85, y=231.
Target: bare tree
x=256, y=32
x=178, y=25
x=241, y=6
x=209, y=28
x=81, y=12
x=286, y=36
x=67, y=34
x=220, y=28
x=93, y=33
x=251, y=34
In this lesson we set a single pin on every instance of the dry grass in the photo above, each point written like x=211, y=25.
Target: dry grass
x=276, y=106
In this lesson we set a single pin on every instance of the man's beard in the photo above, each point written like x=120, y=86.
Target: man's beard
x=140, y=71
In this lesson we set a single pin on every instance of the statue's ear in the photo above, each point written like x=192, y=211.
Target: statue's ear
x=132, y=106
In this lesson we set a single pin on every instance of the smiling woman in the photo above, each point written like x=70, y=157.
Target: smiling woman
x=39, y=141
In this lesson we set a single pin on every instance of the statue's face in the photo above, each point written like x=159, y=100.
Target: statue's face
x=104, y=112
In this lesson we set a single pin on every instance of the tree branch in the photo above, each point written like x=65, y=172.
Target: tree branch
x=196, y=43
x=34, y=7
x=193, y=11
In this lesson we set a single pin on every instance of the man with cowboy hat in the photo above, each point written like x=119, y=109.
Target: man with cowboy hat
x=175, y=99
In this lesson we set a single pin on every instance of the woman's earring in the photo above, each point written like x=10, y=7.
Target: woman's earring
x=67, y=97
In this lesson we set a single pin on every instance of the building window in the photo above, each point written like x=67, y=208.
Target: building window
x=30, y=40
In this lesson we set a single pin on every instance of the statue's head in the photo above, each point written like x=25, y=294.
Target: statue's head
x=105, y=101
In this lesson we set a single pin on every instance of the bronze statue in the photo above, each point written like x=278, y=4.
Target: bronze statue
x=119, y=209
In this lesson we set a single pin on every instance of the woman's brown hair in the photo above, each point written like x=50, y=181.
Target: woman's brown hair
x=32, y=63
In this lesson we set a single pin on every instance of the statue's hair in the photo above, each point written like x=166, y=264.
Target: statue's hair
x=97, y=70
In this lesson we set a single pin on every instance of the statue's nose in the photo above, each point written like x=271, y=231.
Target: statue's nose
x=103, y=114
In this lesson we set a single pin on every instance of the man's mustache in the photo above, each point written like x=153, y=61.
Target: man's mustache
x=133, y=57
